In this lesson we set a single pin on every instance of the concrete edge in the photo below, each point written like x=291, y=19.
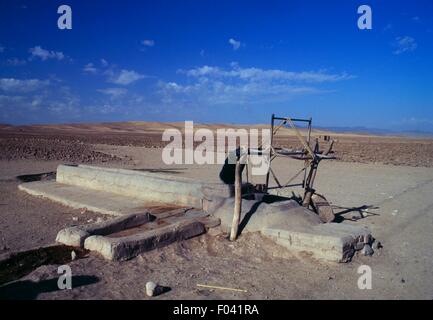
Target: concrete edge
x=330, y=246
x=75, y=236
x=26, y=187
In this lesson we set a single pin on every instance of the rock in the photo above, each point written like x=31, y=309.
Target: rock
x=151, y=288
x=73, y=255
x=74, y=219
x=368, y=239
x=358, y=246
x=367, y=250
x=377, y=245
x=72, y=236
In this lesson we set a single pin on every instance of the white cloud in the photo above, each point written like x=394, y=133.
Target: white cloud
x=44, y=54
x=22, y=86
x=7, y=100
x=415, y=124
x=90, y=68
x=218, y=92
x=258, y=74
x=404, y=44
x=113, y=92
x=112, y=73
x=148, y=43
x=208, y=85
x=41, y=101
x=125, y=77
x=235, y=44
x=417, y=120
x=16, y=62
x=37, y=101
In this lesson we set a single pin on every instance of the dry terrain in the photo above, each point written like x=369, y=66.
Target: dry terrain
x=382, y=182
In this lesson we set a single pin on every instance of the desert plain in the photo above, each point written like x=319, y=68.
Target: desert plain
x=383, y=182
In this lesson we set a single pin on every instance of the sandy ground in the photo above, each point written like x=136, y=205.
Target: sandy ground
x=394, y=201
x=400, y=215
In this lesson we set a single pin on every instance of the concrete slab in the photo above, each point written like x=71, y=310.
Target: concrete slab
x=329, y=241
x=124, y=248
x=151, y=187
x=255, y=215
x=297, y=228
x=119, y=191
x=80, y=198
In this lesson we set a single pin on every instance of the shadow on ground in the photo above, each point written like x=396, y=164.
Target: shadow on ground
x=362, y=212
x=162, y=170
x=29, y=290
x=266, y=198
x=37, y=177
x=19, y=264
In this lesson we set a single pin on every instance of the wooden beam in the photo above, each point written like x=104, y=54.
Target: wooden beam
x=238, y=202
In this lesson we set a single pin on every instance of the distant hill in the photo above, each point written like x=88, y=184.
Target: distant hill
x=138, y=127
x=376, y=131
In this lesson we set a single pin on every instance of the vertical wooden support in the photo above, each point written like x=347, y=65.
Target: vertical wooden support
x=309, y=191
x=238, y=202
x=270, y=153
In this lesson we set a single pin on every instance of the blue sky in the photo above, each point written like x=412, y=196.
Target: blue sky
x=218, y=61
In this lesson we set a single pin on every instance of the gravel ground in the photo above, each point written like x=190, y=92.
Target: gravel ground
x=74, y=145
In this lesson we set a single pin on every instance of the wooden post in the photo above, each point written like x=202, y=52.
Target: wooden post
x=238, y=202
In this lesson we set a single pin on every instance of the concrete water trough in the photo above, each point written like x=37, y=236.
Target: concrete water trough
x=191, y=207
x=119, y=191
x=127, y=236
